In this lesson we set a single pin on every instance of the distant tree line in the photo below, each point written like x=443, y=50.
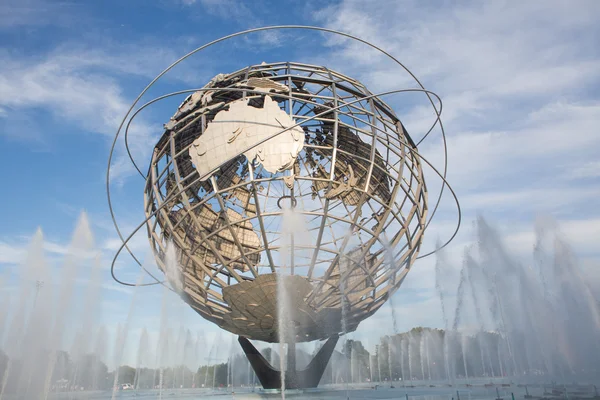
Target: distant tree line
x=421, y=353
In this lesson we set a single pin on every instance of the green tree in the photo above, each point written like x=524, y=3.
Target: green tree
x=91, y=373
x=126, y=375
x=207, y=374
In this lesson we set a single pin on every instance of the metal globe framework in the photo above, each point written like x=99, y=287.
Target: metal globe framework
x=356, y=186
x=247, y=147
x=285, y=203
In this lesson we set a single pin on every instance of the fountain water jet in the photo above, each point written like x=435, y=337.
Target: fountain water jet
x=46, y=305
x=544, y=317
x=144, y=347
x=123, y=332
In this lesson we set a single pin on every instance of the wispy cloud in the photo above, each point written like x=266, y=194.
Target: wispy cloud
x=10, y=254
x=226, y=9
x=514, y=84
x=20, y=13
x=94, y=101
x=587, y=170
x=74, y=92
x=244, y=14
x=14, y=250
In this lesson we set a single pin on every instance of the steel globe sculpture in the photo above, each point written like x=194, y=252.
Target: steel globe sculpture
x=285, y=202
x=290, y=135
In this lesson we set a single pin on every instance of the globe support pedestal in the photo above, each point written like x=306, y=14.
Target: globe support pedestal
x=270, y=378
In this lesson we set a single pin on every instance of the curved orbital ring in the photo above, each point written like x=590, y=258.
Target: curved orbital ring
x=429, y=95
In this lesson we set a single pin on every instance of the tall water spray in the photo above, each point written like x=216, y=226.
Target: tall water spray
x=100, y=350
x=295, y=244
x=142, y=353
x=123, y=333
x=442, y=262
x=285, y=329
x=538, y=318
x=48, y=301
x=15, y=341
x=90, y=316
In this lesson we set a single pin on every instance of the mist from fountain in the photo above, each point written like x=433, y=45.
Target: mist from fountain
x=441, y=263
x=5, y=305
x=214, y=375
x=122, y=333
x=410, y=355
x=378, y=366
x=371, y=367
x=142, y=357
x=79, y=249
x=100, y=350
x=344, y=316
x=200, y=343
x=90, y=316
x=509, y=320
x=65, y=300
x=206, y=371
x=464, y=342
x=190, y=355
x=163, y=340
x=425, y=340
x=402, y=352
x=390, y=358
x=119, y=338
x=230, y=363
x=290, y=221
x=544, y=315
x=421, y=352
x=177, y=353
x=296, y=243
x=45, y=305
x=30, y=377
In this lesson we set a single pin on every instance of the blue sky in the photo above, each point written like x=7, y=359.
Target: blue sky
x=520, y=84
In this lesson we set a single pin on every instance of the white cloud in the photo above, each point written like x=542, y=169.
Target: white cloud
x=145, y=58
x=227, y=9
x=74, y=93
x=243, y=13
x=10, y=254
x=19, y=13
x=513, y=79
x=138, y=242
x=530, y=200
x=584, y=170
x=92, y=100
x=13, y=252
x=85, y=86
x=488, y=47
